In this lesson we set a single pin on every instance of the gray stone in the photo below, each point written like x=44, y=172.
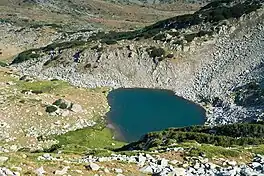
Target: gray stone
x=141, y=160
x=231, y=163
x=147, y=169
x=201, y=171
x=76, y=108
x=180, y=171
x=62, y=172
x=163, y=162
x=196, y=166
x=94, y=167
x=256, y=165
x=3, y=159
x=13, y=148
x=117, y=170
x=106, y=170
x=247, y=172
x=65, y=113
x=46, y=155
x=40, y=171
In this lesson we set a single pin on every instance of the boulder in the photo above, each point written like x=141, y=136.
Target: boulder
x=40, y=171
x=106, y=170
x=146, y=170
x=117, y=170
x=76, y=108
x=14, y=148
x=3, y=159
x=141, y=160
x=163, y=162
x=65, y=113
x=62, y=172
x=231, y=163
x=256, y=166
x=93, y=167
x=180, y=171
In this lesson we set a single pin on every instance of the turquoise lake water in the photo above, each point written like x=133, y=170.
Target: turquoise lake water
x=135, y=112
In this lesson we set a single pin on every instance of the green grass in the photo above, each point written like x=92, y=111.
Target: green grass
x=90, y=138
x=44, y=86
x=256, y=149
x=214, y=151
x=3, y=64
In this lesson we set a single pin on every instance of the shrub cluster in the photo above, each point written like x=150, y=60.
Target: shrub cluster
x=225, y=135
x=26, y=55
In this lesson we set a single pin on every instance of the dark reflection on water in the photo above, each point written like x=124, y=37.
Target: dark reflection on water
x=135, y=112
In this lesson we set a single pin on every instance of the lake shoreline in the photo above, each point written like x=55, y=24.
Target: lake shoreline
x=149, y=117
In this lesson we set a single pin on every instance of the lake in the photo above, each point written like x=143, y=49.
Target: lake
x=135, y=112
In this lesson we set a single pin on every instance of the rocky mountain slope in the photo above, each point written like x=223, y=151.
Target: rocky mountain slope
x=203, y=57
x=213, y=57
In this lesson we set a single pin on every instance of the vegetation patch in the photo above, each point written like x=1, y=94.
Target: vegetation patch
x=51, y=109
x=52, y=25
x=43, y=86
x=87, y=140
x=156, y=52
x=226, y=135
x=64, y=45
x=214, y=151
x=26, y=55
x=3, y=64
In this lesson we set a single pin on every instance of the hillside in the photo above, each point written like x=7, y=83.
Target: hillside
x=193, y=55
x=60, y=59
x=86, y=14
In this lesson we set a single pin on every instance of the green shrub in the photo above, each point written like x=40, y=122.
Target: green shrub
x=51, y=108
x=26, y=55
x=157, y=52
x=58, y=102
x=109, y=42
x=190, y=37
x=37, y=91
x=64, y=45
x=224, y=135
x=3, y=64
x=61, y=104
x=159, y=37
